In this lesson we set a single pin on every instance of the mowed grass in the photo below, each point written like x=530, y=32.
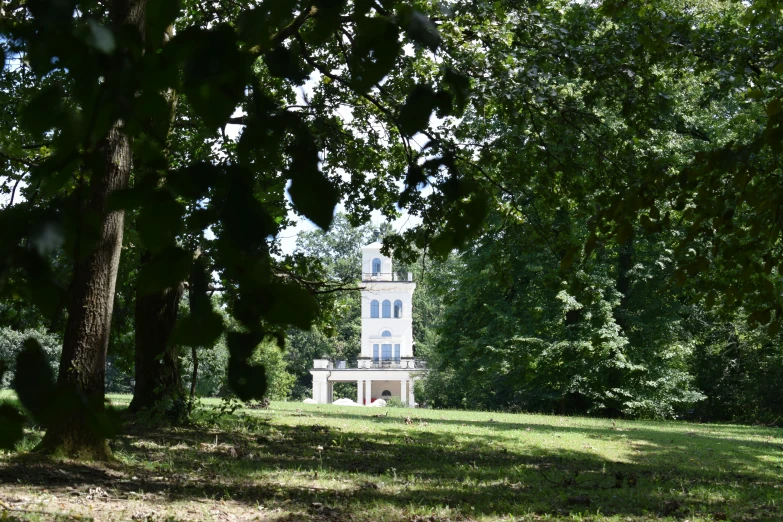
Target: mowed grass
x=322, y=462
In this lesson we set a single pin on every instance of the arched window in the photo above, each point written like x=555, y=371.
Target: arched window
x=386, y=333
x=386, y=394
x=376, y=266
x=374, y=309
x=398, y=309
x=387, y=309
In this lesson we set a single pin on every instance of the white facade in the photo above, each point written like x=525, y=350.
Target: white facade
x=386, y=357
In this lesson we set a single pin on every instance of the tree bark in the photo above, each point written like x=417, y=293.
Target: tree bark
x=193, y=379
x=158, y=379
x=86, y=339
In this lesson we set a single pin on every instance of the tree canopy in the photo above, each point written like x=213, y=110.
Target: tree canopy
x=604, y=175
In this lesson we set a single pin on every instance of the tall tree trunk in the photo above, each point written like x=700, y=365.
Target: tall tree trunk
x=86, y=339
x=158, y=380
x=193, y=379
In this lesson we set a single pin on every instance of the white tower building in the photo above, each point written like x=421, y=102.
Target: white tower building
x=385, y=362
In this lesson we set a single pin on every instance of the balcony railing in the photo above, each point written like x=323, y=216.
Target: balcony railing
x=370, y=364
x=401, y=277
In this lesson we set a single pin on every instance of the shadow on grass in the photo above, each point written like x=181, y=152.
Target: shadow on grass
x=673, y=443
x=382, y=463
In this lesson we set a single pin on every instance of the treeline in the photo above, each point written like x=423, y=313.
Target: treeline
x=502, y=327
x=630, y=263
x=618, y=338
x=628, y=160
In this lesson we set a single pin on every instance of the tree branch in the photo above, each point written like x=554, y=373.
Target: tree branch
x=290, y=30
x=23, y=161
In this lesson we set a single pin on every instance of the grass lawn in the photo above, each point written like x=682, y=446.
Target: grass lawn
x=312, y=462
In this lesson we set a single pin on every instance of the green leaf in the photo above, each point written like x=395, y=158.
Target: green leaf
x=155, y=110
x=11, y=426
x=160, y=221
x=567, y=260
x=415, y=114
x=283, y=63
x=167, y=268
x=761, y=317
x=160, y=15
x=42, y=113
x=216, y=73
x=246, y=222
x=375, y=49
x=258, y=25
x=458, y=86
x=313, y=195
x=198, y=329
x=101, y=38
x=54, y=173
x=194, y=181
x=442, y=244
x=34, y=382
x=328, y=20
x=774, y=107
x=203, y=326
x=291, y=305
x=774, y=327
x=248, y=381
x=128, y=199
x=420, y=29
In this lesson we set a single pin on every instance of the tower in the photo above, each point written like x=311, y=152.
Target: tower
x=385, y=363
x=387, y=319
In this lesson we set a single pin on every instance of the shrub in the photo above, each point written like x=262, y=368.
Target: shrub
x=11, y=343
x=395, y=402
x=213, y=377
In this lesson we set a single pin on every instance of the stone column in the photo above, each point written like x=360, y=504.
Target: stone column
x=323, y=397
x=368, y=392
x=330, y=392
x=360, y=392
x=411, y=401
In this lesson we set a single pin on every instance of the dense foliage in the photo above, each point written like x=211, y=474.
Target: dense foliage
x=12, y=341
x=601, y=282
x=595, y=188
x=120, y=110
